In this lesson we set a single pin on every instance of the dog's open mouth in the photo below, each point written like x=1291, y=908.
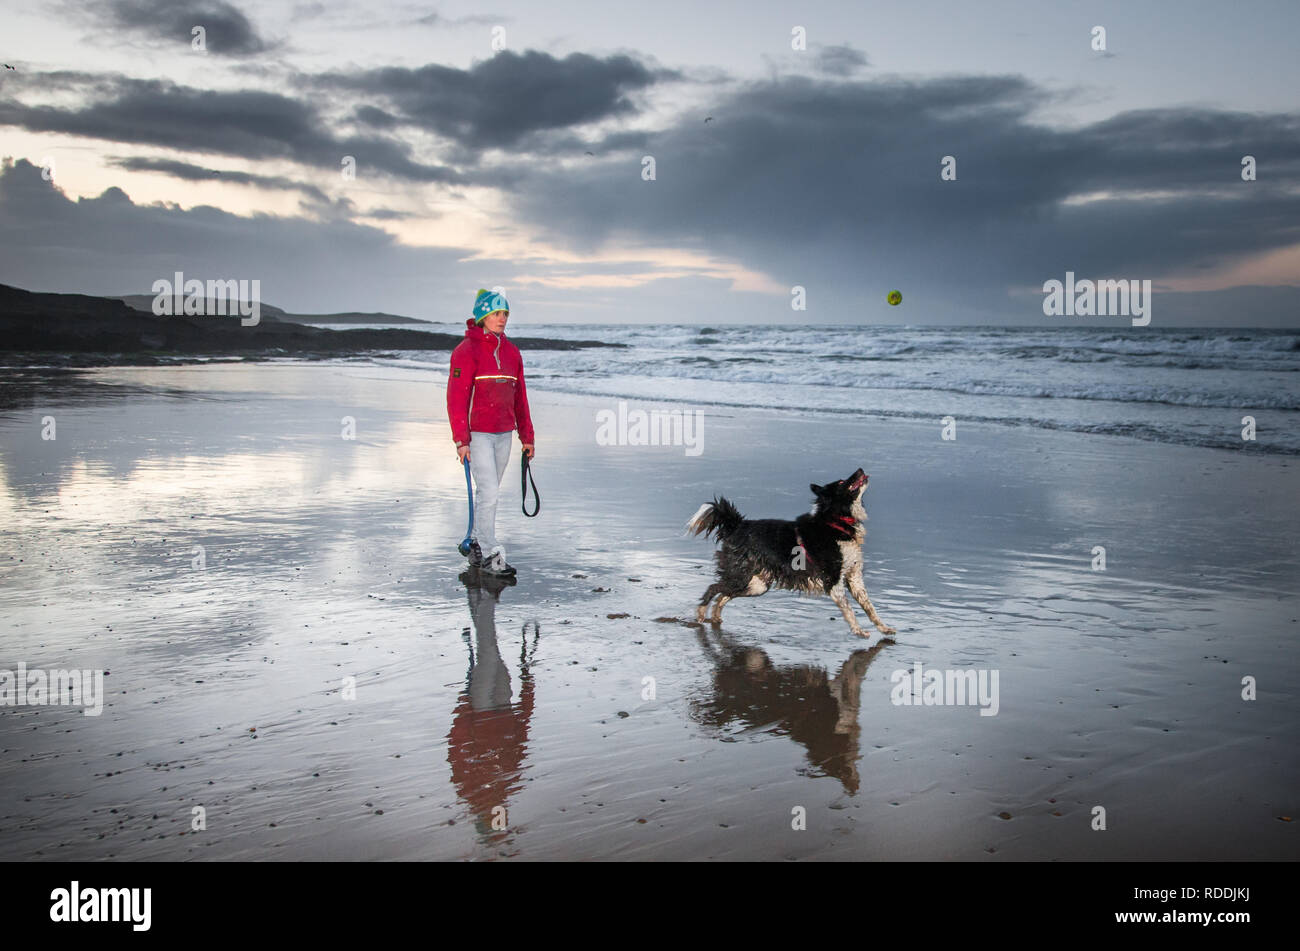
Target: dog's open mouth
x=859, y=481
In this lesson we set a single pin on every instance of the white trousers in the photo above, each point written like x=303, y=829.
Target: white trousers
x=489, y=453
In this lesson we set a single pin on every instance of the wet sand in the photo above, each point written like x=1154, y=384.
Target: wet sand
x=329, y=558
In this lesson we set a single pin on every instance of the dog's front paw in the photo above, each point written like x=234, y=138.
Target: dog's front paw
x=887, y=632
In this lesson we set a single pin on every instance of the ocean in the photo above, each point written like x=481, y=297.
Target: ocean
x=1186, y=386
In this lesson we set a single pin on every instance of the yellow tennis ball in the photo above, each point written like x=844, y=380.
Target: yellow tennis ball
x=895, y=298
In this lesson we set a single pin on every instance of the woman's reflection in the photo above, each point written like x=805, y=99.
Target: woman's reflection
x=488, y=741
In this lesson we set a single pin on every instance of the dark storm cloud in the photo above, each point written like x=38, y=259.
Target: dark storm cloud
x=840, y=60
x=837, y=184
x=392, y=214
x=481, y=19
x=197, y=173
x=504, y=100
x=250, y=124
x=228, y=31
x=528, y=101
x=628, y=143
x=830, y=182
x=110, y=245
x=57, y=80
x=378, y=118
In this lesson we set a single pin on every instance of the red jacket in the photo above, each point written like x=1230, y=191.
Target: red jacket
x=485, y=389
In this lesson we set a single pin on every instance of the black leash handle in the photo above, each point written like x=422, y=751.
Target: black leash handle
x=525, y=477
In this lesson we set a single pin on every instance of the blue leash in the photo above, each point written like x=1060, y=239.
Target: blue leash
x=463, y=547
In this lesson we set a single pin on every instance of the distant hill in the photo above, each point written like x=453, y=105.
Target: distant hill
x=144, y=302
x=354, y=318
x=83, y=330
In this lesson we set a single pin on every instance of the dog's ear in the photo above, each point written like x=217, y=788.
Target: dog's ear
x=816, y=489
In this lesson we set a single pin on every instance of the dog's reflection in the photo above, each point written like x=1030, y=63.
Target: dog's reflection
x=818, y=711
x=488, y=742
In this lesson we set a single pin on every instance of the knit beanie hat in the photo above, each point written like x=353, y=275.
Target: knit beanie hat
x=488, y=302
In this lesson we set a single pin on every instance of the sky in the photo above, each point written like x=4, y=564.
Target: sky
x=392, y=156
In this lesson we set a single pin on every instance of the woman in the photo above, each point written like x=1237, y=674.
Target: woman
x=486, y=402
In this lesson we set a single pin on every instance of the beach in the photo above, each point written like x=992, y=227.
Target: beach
x=286, y=637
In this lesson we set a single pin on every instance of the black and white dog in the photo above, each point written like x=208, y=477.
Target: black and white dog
x=817, y=553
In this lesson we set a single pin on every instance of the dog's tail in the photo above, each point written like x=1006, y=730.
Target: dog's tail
x=719, y=518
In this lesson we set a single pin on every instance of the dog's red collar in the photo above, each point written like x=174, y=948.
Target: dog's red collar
x=846, y=524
